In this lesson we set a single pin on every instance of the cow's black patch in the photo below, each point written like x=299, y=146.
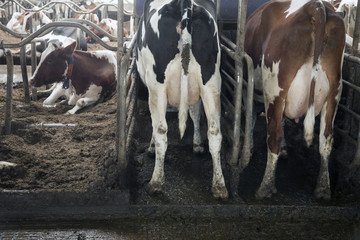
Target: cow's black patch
x=164, y=46
x=205, y=42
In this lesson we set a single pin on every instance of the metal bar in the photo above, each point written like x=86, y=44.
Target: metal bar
x=33, y=57
x=229, y=106
x=130, y=112
x=24, y=74
x=346, y=109
x=353, y=86
x=228, y=42
x=248, y=138
x=229, y=78
x=121, y=96
x=240, y=38
x=352, y=58
x=132, y=86
x=349, y=98
x=52, y=25
x=230, y=66
x=231, y=53
x=9, y=89
x=226, y=84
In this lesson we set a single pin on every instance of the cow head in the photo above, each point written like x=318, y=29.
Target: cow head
x=53, y=65
x=102, y=26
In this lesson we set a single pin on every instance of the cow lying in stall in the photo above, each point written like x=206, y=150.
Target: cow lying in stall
x=109, y=26
x=86, y=77
x=178, y=59
x=348, y=9
x=20, y=22
x=87, y=6
x=297, y=48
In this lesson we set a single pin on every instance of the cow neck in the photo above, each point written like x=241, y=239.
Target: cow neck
x=69, y=72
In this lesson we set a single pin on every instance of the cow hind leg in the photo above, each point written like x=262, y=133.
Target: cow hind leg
x=322, y=190
x=195, y=114
x=212, y=110
x=274, y=140
x=157, y=104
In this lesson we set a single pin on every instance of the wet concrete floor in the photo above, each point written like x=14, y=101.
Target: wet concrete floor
x=178, y=228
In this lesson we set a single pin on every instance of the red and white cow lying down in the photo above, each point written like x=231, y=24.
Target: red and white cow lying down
x=20, y=22
x=93, y=75
x=297, y=48
x=178, y=59
x=110, y=26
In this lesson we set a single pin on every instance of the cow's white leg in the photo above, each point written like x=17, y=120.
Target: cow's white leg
x=195, y=114
x=81, y=103
x=322, y=189
x=211, y=100
x=275, y=135
x=90, y=97
x=157, y=105
x=55, y=94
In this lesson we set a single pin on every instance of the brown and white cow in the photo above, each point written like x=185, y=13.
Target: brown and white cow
x=20, y=22
x=85, y=76
x=108, y=25
x=297, y=48
x=87, y=7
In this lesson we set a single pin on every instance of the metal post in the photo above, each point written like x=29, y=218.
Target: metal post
x=9, y=88
x=240, y=38
x=24, y=74
x=33, y=68
x=248, y=138
x=121, y=96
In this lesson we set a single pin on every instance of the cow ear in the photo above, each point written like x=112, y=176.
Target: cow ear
x=69, y=50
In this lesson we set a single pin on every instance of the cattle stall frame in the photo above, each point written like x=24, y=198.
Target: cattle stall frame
x=126, y=100
x=70, y=5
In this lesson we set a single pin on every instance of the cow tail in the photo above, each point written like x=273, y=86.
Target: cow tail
x=318, y=21
x=186, y=13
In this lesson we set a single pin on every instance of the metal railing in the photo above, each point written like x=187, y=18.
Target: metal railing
x=126, y=87
x=231, y=98
x=352, y=115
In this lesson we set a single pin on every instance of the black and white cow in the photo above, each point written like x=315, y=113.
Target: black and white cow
x=178, y=59
x=64, y=36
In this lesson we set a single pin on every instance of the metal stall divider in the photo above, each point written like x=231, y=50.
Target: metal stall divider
x=234, y=85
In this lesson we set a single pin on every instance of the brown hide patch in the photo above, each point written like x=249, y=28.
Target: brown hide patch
x=89, y=69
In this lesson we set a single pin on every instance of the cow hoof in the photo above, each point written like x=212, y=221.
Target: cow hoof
x=323, y=193
x=265, y=192
x=198, y=149
x=69, y=113
x=153, y=188
x=220, y=192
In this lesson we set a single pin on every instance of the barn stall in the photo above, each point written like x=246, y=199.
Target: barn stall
x=82, y=176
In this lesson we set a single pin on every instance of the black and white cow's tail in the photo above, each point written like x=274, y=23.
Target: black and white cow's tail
x=186, y=13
